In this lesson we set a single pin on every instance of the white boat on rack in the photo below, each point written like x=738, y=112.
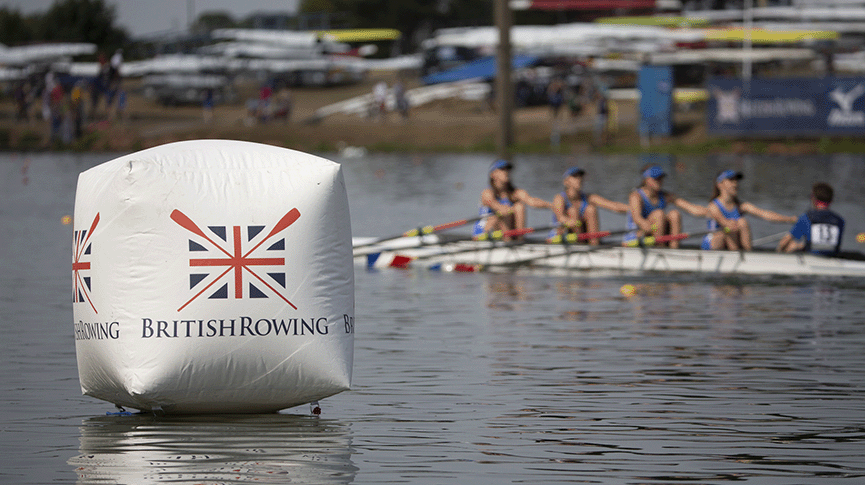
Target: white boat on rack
x=461, y=254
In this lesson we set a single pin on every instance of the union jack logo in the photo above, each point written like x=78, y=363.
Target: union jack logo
x=80, y=282
x=227, y=251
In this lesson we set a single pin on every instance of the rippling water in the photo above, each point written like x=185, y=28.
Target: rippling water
x=476, y=377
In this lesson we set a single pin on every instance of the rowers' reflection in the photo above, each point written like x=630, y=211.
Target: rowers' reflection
x=273, y=449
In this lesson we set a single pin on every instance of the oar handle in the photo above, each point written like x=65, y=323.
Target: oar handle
x=652, y=240
x=574, y=237
x=495, y=235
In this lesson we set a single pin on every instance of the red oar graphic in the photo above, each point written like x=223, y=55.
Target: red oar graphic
x=89, y=233
x=185, y=222
x=287, y=220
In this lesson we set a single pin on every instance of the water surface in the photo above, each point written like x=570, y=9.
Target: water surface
x=478, y=377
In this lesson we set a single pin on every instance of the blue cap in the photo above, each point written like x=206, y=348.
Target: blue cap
x=573, y=172
x=729, y=174
x=501, y=164
x=654, y=172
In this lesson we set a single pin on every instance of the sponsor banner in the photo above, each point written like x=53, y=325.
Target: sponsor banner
x=787, y=106
x=213, y=276
x=656, y=100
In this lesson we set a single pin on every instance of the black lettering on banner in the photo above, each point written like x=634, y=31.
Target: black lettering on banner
x=96, y=330
x=267, y=326
x=349, y=323
x=243, y=326
x=318, y=327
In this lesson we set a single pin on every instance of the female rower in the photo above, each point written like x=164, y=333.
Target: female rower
x=648, y=204
x=576, y=211
x=730, y=229
x=503, y=206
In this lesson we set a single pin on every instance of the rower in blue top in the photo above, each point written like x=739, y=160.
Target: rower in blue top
x=503, y=206
x=577, y=212
x=819, y=230
x=648, y=215
x=730, y=229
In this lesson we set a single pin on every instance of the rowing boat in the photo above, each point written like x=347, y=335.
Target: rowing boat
x=436, y=251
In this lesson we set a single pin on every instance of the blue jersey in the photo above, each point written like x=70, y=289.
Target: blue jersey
x=646, y=209
x=583, y=204
x=822, y=231
x=485, y=212
x=712, y=225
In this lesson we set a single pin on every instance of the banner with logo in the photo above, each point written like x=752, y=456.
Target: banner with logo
x=213, y=276
x=788, y=106
x=656, y=100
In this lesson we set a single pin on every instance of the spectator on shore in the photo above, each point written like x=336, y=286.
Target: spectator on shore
x=54, y=110
x=47, y=89
x=23, y=97
x=76, y=97
x=379, y=97
x=207, y=105
x=556, y=96
x=401, y=99
x=120, y=109
x=601, y=113
x=264, y=107
x=283, y=105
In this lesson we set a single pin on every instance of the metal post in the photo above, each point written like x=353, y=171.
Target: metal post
x=747, y=42
x=503, y=86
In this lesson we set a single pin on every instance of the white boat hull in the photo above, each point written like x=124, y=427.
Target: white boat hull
x=472, y=254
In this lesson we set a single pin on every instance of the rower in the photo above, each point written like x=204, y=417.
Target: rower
x=503, y=206
x=577, y=212
x=648, y=214
x=819, y=230
x=728, y=226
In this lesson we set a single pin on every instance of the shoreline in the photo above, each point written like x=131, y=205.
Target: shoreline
x=443, y=126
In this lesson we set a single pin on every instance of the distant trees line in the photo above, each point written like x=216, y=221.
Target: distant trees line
x=94, y=20
x=65, y=21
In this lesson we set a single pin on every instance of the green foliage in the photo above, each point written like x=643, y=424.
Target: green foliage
x=15, y=28
x=29, y=140
x=81, y=21
x=209, y=21
x=66, y=21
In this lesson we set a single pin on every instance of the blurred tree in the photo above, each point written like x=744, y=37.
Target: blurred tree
x=81, y=21
x=15, y=28
x=209, y=21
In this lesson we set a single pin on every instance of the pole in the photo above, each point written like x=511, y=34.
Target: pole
x=747, y=42
x=504, y=87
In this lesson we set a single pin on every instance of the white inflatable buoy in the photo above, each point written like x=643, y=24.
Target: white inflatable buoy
x=213, y=276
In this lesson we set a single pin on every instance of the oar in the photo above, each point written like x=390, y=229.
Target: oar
x=575, y=237
x=768, y=239
x=185, y=222
x=645, y=241
x=402, y=261
x=652, y=240
x=496, y=235
x=420, y=231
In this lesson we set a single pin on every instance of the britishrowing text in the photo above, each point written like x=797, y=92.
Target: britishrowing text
x=96, y=330
x=234, y=327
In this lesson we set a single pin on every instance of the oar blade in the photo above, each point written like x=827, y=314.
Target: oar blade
x=185, y=222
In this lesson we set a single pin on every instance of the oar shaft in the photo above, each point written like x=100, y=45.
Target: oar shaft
x=652, y=240
x=583, y=236
x=420, y=231
x=768, y=239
